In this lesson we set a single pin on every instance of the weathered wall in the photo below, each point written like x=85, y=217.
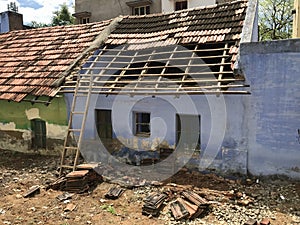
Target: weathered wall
x=103, y=9
x=273, y=110
x=223, y=141
x=15, y=126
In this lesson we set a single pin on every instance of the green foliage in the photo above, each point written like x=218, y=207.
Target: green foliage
x=36, y=24
x=109, y=208
x=275, y=19
x=12, y=7
x=62, y=16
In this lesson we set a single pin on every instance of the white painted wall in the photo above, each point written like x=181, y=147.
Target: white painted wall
x=223, y=140
x=169, y=5
x=197, y=3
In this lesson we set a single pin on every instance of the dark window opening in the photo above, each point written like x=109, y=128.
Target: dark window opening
x=104, y=124
x=39, y=133
x=141, y=10
x=185, y=126
x=84, y=20
x=142, y=124
x=180, y=5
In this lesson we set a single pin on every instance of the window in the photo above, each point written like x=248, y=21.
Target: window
x=180, y=5
x=84, y=20
x=185, y=125
x=103, y=124
x=38, y=128
x=141, y=10
x=142, y=124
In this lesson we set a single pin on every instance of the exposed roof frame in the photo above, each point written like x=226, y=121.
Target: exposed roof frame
x=158, y=71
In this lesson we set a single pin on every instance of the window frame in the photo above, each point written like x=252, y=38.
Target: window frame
x=136, y=10
x=87, y=20
x=138, y=125
x=180, y=4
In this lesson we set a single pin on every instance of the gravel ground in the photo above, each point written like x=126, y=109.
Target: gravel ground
x=233, y=201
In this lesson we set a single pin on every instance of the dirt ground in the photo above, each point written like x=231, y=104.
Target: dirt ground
x=233, y=201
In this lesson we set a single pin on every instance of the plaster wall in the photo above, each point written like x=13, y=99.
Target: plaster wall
x=103, y=10
x=273, y=110
x=223, y=141
x=169, y=5
x=15, y=125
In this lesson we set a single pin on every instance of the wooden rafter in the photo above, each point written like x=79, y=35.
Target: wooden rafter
x=135, y=71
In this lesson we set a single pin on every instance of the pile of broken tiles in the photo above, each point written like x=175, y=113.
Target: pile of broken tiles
x=188, y=206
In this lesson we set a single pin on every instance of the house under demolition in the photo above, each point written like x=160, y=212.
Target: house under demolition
x=138, y=86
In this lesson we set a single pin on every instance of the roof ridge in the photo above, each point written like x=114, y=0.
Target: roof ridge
x=58, y=27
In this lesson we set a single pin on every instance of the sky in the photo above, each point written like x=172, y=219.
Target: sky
x=40, y=11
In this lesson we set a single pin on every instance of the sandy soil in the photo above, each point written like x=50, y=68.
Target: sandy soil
x=273, y=197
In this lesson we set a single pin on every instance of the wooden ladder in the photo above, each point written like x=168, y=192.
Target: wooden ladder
x=82, y=95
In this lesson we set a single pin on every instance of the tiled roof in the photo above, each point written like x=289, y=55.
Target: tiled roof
x=186, y=52
x=32, y=61
x=217, y=23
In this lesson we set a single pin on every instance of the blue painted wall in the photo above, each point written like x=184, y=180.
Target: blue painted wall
x=273, y=110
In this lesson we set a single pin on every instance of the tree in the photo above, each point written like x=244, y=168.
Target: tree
x=62, y=16
x=36, y=24
x=275, y=19
x=12, y=7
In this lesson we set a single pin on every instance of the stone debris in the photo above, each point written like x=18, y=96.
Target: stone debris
x=32, y=191
x=114, y=193
x=251, y=222
x=70, y=207
x=64, y=196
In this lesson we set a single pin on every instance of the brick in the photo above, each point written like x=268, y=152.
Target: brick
x=265, y=221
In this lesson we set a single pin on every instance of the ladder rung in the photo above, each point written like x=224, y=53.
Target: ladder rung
x=77, y=112
x=66, y=166
x=81, y=95
x=69, y=148
x=74, y=130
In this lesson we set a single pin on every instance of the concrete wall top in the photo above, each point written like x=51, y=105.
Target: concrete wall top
x=278, y=46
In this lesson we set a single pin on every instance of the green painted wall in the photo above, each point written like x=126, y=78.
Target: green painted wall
x=55, y=113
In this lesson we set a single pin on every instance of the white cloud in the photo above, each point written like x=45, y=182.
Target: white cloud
x=41, y=15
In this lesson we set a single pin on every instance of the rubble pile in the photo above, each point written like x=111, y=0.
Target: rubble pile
x=189, y=206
